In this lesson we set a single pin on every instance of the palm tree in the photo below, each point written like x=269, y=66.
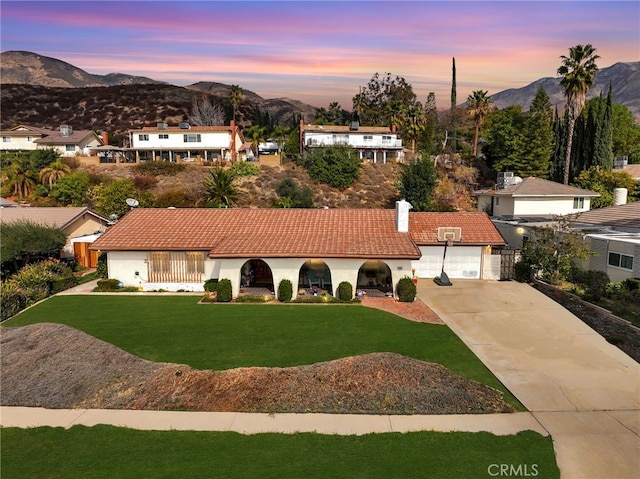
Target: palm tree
x=414, y=122
x=235, y=98
x=20, y=179
x=52, y=173
x=280, y=132
x=359, y=103
x=578, y=72
x=256, y=135
x=220, y=188
x=479, y=105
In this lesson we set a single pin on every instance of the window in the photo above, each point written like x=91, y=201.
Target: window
x=143, y=137
x=368, y=137
x=163, y=136
x=6, y=139
x=497, y=201
x=29, y=138
x=70, y=147
x=192, y=138
x=578, y=202
x=620, y=260
x=340, y=139
x=175, y=266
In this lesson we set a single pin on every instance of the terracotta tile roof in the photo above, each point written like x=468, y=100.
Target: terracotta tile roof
x=47, y=216
x=621, y=216
x=262, y=232
x=477, y=228
x=537, y=187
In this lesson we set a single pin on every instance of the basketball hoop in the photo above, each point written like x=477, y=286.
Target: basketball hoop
x=447, y=235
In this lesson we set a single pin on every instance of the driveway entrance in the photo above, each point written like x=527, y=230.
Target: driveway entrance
x=583, y=390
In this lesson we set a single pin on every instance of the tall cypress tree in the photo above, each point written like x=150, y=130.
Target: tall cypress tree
x=603, y=135
x=454, y=134
x=556, y=171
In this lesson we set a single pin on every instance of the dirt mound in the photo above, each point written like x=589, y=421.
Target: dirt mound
x=55, y=366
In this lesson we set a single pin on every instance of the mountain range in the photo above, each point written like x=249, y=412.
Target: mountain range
x=45, y=91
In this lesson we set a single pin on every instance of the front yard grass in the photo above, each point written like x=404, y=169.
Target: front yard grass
x=176, y=329
x=108, y=452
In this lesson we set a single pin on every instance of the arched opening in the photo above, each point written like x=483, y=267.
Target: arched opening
x=374, y=279
x=256, y=277
x=315, y=277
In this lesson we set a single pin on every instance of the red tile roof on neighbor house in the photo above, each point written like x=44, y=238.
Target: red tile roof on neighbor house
x=287, y=233
x=477, y=228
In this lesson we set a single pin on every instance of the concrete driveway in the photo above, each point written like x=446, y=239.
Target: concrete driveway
x=583, y=390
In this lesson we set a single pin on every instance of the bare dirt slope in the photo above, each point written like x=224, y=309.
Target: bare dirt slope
x=55, y=366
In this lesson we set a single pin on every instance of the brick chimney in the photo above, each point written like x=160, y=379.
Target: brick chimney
x=105, y=138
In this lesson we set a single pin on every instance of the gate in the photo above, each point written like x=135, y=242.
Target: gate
x=508, y=260
x=84, y=256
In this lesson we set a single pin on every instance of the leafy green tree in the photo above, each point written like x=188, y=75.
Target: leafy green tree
x=292, y=144
x=427, y=139
x=111, y=198
x=221, y=191
x=41, y=158
x=417, y=183
x=626, y=132
x=578, y=71
x=71, y=189
x=337, y=165
x=383, y=98
x=292, y=196
x=479, y=105
x=551, y=251
x=504, y=146
x=537, y=136
x=22, y=242
x=604, y=182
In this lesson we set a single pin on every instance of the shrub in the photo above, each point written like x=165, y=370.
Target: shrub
x=345, y=291
x=145, y=182
x=156, y=168
x=406, y=290
x=12, y=300
x=337, y=166
x=251, y=298
x=101, y=267
x=243, y=168
x=595, y=284
x=109, y=284
x=523, y=272
x=285, y=290
x=632, y=284
x=225, y=292
x=211, y=285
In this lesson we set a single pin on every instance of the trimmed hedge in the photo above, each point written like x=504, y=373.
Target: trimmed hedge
x=225, y=291
x=406, y=290
x=285, y=290
x=345, y=291
x=109, y=284
x=211, y=285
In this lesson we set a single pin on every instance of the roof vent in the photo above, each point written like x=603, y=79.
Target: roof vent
x=162, y=126
x=65, y=130
x=184, y=125
x=505, y=179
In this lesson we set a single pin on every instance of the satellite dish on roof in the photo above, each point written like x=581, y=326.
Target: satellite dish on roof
x=132, y=202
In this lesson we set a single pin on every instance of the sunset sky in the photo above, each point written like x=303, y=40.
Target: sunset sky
x=322, y=51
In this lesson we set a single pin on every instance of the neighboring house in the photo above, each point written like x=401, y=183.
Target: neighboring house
x=68, y=142
x=186, y=143
x=22, y=138
x=532, y=197
x=613, y=234
x=178, y=249
x=81, y=225
x=376, y=144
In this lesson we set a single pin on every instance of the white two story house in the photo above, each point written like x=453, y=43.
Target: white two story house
x=66, y=141
x=376, y=144
x=185, y=142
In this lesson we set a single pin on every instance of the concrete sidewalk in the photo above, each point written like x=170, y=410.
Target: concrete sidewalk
x=253, y=423
x=583, y=390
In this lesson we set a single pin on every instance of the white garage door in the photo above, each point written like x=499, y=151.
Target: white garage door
x=461, y=262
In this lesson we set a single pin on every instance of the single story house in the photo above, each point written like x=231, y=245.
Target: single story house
x=186, y=142
x=514, y=197
x=178, y=249
x=613, y=234
x=81, y=225
x=376, y=144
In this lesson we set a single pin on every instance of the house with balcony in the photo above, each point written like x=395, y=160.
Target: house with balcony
x=187, y=143
x=376, y=144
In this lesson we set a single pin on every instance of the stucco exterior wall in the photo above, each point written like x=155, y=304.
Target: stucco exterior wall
x=547, y=206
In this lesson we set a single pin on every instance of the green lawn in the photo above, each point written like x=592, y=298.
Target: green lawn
x=222, y=336
x=110, y=452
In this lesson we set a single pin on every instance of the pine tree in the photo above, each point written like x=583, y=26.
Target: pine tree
x=538, y=136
